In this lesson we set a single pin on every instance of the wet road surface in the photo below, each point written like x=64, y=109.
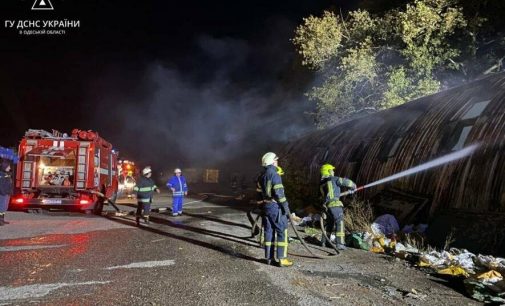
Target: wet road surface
x=69, y=258
x=204, y=257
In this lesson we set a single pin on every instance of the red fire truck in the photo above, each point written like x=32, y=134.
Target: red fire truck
x=55, y=170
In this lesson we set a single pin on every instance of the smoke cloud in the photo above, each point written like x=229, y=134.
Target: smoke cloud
x=233, y=98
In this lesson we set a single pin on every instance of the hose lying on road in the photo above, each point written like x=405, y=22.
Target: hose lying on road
x=106, y=199
x=255, y=230
x=307, y=247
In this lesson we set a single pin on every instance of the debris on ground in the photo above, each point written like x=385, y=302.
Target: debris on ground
x=482, y=274
x=385, y=225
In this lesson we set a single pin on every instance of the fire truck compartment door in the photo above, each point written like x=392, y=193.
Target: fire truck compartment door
x=51, y=152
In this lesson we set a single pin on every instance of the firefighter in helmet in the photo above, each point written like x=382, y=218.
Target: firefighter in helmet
x=259, y=209
x=145, y=188
x=179, y=187
x=275, y=211
x=332, y=206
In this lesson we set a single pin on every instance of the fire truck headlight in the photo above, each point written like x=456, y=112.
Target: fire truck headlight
x=83, y=202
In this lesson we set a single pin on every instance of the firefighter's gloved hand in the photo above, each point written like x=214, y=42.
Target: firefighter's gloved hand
x=351, y=191
x=285, y=208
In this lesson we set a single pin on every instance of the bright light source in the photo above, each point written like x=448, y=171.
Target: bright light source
x=42, y=166
x=129, y=185
x=19, y=201
x=83, y=202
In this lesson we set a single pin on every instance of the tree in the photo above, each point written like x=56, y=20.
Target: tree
x=379, y=61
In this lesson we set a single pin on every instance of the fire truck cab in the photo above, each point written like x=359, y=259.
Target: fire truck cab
x=76, y=172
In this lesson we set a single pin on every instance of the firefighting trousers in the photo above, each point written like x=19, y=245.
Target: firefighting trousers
x=143, y=209
x=335, y=221
x=275, y=226
x=4, y=203
x=177, y=204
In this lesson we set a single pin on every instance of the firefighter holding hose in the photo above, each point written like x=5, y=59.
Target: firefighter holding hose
x=332, y=206
x=145, y=189
x=276, y=212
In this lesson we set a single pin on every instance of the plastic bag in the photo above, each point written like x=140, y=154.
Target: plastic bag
x=385, y=225
x=453, y=270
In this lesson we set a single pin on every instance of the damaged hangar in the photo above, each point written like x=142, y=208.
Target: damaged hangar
x=466, y=197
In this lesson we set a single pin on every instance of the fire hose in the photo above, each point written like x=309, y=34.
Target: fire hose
x=255, y=230
x=106, y=199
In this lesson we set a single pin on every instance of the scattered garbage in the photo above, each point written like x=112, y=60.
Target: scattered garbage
x=485, y=291
x=360, y=241
x=385, y=225
x=483, y=274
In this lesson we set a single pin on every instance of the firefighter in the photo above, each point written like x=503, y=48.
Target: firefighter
x=177, y=184
x=5, y=189
x=145, y=188
x=332, y=206
x=259, y=209
x=275, y=212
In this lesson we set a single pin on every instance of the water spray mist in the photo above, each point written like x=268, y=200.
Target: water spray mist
x=431, y=164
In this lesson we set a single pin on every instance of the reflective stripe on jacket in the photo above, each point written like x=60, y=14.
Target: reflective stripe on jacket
x=270, y=183
x=179, y=184
x=330, y=189
x=145, y=188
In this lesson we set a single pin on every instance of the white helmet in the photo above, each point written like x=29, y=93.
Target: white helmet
x=268, y=159
x=177, y=170
x=146, y=170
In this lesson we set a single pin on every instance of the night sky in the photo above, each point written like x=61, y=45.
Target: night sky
x=173, y=83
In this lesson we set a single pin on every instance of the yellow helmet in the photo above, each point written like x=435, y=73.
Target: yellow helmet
x=325, y=169
x=280, y=171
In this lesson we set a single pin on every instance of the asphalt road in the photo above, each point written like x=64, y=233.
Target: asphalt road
x=204, y=257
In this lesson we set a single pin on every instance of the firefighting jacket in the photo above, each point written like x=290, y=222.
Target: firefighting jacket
x=5, y=184
x=272, y=190
x=145, y=189
x=179, y=184
x=330, y=189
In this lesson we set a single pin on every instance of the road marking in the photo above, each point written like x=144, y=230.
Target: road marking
x=29, y=247
x=39, y=290
x=144, y=264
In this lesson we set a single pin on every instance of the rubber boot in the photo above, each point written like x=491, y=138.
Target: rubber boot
x=284, y=262
x=137, y=220
x=146, y=219
x=341, y=247
x=2, y=219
